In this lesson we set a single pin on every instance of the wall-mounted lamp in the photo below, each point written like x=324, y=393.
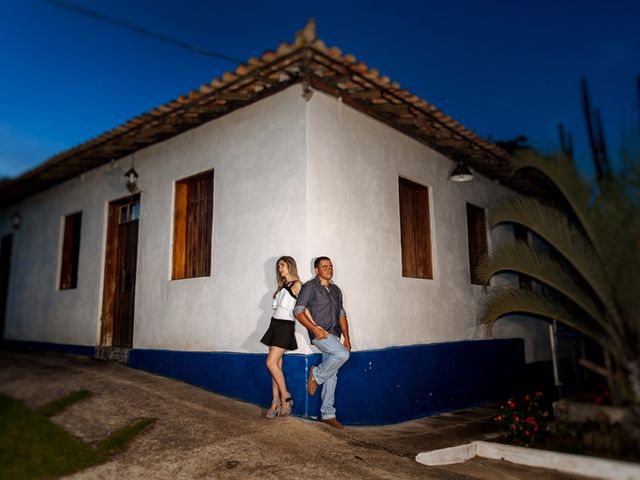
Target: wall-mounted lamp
x=461, y=173
x=132, y=180
x=16, y=220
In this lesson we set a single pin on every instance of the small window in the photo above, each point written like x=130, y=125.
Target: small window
x=130, y=212
x=70, y=251
x=415, y=230
x=521, y=234
x=477, y=232
x=192, y=226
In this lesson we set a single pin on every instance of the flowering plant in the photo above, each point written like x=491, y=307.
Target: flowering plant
x=603, y=398
x=524, y=420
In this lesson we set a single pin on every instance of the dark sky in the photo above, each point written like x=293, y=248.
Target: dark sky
x=499, y=67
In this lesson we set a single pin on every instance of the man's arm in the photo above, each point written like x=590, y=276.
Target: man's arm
x=319, y=332
x=300, y=312
x=344, y=324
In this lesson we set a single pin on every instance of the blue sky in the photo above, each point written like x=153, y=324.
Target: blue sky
x=499, y=67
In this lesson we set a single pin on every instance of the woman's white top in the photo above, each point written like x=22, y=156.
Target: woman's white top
x=283, y=305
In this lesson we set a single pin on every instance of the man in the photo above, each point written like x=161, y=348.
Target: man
x=324, y=301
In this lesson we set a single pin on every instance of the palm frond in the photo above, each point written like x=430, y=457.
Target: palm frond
x=554, y=227
x=530, y=260
x=564, y=176
x=499, y=303
x=589, y=279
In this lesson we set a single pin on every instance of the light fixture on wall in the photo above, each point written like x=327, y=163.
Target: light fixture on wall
x=16, y=220
x=132, y=180
x=461, y=173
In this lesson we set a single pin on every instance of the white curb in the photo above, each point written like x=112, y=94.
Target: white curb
x=564, y=462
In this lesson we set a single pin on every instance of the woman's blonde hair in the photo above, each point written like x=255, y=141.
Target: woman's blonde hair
x=293, y=270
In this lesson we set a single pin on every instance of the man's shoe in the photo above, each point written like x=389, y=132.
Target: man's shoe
x=333, y=422
x=312, y=385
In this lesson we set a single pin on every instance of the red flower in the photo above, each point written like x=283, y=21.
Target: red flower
x=499, y=418
x=527, y=398
x=516, y=418
x=538, y=394
x=527, y=433
x=511, y=403
x=513, y=427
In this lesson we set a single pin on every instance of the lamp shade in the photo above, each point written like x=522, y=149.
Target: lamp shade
x=132, y=180
x=461, y=173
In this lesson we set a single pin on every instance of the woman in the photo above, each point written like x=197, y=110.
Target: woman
x=280, y=334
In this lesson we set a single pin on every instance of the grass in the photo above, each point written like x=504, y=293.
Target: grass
x=57, y=406
x=117, y=441
x=32, y=447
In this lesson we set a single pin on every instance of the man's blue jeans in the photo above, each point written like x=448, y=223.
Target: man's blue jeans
x=334, y=355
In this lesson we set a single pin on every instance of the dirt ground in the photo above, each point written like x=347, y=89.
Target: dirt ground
x=200, y=434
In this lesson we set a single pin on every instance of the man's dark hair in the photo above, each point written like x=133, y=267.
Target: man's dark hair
x=316, y=262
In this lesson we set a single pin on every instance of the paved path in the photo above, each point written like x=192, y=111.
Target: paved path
x=203, y=435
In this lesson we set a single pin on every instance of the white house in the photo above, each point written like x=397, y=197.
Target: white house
x=304, y=152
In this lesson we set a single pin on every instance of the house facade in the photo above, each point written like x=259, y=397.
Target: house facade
x=178, y=276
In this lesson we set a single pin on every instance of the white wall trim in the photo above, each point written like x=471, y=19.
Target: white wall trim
x=532, y=457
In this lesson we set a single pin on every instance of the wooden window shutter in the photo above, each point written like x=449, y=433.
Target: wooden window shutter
x=477, y=233
x=415, y=230
x=193, y=225
x=70, y=251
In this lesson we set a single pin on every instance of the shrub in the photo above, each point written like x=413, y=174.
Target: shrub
x=523, y=421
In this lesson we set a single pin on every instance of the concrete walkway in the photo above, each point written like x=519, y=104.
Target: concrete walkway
x=203, y=435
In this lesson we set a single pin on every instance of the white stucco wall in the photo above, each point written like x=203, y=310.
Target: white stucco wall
x=354, y=163
x=36, y=309
x=258, y=155
x=291, y=177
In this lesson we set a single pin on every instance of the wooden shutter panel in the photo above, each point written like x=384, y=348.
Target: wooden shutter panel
x=477, y=233
x=415, y=230
x=70, y=251
x=180, y=231
x=193, y=223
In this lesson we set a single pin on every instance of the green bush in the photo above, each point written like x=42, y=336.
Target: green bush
x=524, y=420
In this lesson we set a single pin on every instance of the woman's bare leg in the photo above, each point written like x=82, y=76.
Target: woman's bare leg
x=274, y=364
x=275, y=391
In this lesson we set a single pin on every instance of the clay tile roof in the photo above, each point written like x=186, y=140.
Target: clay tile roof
x=307, y=60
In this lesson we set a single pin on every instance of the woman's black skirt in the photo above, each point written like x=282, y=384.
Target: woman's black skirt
x=281, y=333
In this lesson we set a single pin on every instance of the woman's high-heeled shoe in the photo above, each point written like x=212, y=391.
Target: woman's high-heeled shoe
x=273, y=412
x=287, y=406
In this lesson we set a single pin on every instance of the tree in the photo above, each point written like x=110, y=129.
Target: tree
x=585, y=260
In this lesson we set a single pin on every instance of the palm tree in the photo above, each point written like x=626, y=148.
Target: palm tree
x=584, y=257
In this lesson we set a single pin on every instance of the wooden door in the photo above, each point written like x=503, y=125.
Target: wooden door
x=125, y=284
x=5, y=263
x=120, y=273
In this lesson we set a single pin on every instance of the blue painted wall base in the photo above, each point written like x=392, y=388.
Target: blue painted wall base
x=375, y=386
x=28, y=346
